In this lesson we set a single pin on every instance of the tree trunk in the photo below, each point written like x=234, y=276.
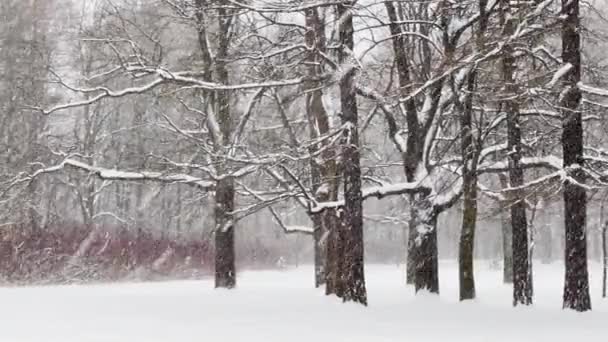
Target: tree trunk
x=576, y=287
x=323, y=170
x=469, y=175
x=469, y=211
x=225, y=270
x=522, y=290
x=353, y=269
x=466, y=246
x=426, y=276
x=507, y=231
x=411, y=245
x=531, y=246
x=320, y=252
x=334, y=254
x=413, y=155
x=605, y=259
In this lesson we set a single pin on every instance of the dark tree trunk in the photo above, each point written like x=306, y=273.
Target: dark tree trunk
x=323, y=171
x=413, y=155
x=532, y=246
x=225, y=270
x=215, y=70
x=604, y=259
x=522, y=289
x=466, y=246
x=469, y=176
x=426, y=268
x=410, y=245
x=576, y=287
x=319, y=250
x=469, y=214
x=467, y=241
x=507, y=236
x=335, y=252
x=353, y=269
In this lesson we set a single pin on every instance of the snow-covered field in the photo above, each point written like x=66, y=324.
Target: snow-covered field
x=282, y=306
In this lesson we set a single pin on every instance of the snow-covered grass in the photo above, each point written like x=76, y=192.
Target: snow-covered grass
x=281, y=306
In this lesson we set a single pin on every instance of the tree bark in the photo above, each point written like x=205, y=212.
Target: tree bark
x=426, y=275
x=319, y=250
x=604, y=259
x=469, y=212
x=507, y=247
x=522, y=290
x=410, y=246
x=469, y=175
x=353, y=268
x=323, y=171
x=335, y=252
x=225, y=269
x=413, y=155
x=576, y=287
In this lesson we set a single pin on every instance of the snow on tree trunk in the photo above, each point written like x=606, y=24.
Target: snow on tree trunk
x=426, y=276
x=469, y=150
x=334, y=252
x=413, y=154
x=225, y=270
x=522, y=289
x=353, y=269
x=323, y=169
x=576, y=287
x=469, y=214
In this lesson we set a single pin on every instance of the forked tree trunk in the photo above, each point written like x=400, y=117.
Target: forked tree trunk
x=576, y=287
x=225, y=269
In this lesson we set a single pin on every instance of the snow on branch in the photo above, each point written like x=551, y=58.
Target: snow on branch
x=559, y=74
x=185, y=78
x=379, y=192
x=593, y=90
x=549, y=162
x=276, y=8
x=112, y=174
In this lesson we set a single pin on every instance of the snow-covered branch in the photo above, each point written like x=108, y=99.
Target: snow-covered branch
x=113, y=174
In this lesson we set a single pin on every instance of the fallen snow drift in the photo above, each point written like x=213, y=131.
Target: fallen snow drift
x=282, y=306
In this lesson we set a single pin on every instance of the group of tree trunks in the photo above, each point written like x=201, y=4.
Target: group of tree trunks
x=338, y=232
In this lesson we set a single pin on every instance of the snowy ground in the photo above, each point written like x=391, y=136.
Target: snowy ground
x=282, y=306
